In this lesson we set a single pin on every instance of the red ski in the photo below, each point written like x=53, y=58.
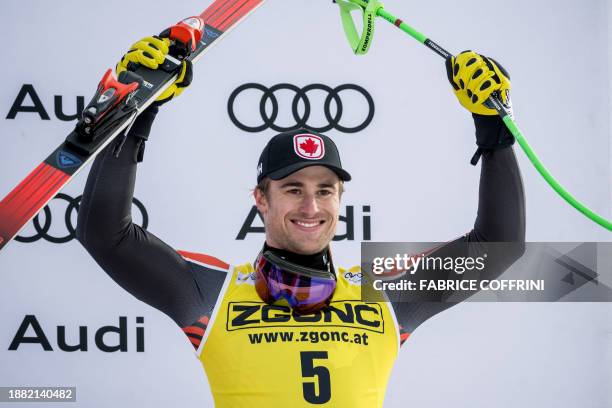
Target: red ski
x=113, y=108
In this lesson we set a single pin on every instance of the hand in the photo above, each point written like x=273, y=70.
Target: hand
x=151, y=52
x=474, y=78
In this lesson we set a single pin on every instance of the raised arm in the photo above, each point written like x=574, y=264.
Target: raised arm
x=134, y=258
x=501, y=203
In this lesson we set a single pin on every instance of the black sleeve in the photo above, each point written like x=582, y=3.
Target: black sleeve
x=500, y=218
x=136, y=259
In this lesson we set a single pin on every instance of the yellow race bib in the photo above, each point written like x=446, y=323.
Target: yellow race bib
x=260, y=355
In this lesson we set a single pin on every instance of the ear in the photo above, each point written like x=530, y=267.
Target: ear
x=261, y=201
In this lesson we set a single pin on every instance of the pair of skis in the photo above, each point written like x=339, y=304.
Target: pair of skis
x=114, y=107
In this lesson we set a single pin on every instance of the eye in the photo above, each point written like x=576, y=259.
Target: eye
x=325, y=193
x=295, y=191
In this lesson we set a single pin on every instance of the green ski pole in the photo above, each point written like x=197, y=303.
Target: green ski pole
x=361, y=44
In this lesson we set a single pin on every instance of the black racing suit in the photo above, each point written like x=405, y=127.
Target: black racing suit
x=156, y=274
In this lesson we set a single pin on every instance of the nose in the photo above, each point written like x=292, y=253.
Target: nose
x=309, y=205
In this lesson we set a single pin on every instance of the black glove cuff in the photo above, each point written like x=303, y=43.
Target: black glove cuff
x=142, y=126
x=141, y=130
x=491, y=134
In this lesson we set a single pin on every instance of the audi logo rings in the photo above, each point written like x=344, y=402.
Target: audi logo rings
x=42, y=231
x=333, y=95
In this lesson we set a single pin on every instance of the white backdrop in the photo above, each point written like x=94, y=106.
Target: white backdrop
x=410, y=165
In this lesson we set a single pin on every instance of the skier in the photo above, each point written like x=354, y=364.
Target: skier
x=288, y=327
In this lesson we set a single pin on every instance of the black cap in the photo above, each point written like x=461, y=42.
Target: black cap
x=291, y=151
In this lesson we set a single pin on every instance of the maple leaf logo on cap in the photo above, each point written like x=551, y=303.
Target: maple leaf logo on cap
x=307, y=146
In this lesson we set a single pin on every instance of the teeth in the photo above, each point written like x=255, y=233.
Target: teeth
x=307, y=224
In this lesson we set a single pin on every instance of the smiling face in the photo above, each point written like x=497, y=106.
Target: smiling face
x=301, y=211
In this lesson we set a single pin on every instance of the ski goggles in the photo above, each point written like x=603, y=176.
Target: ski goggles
x=307, y=290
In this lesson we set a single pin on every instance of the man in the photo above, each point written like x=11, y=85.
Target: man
x=290, y=328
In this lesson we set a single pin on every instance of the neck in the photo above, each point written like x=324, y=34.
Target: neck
x=320, y=260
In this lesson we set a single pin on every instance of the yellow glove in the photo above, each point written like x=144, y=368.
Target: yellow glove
x=151, y=52
x=474, y=78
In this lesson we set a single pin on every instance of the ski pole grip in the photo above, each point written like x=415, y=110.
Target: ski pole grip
x=187, y=32
x=495, y=102
x=359, y=43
